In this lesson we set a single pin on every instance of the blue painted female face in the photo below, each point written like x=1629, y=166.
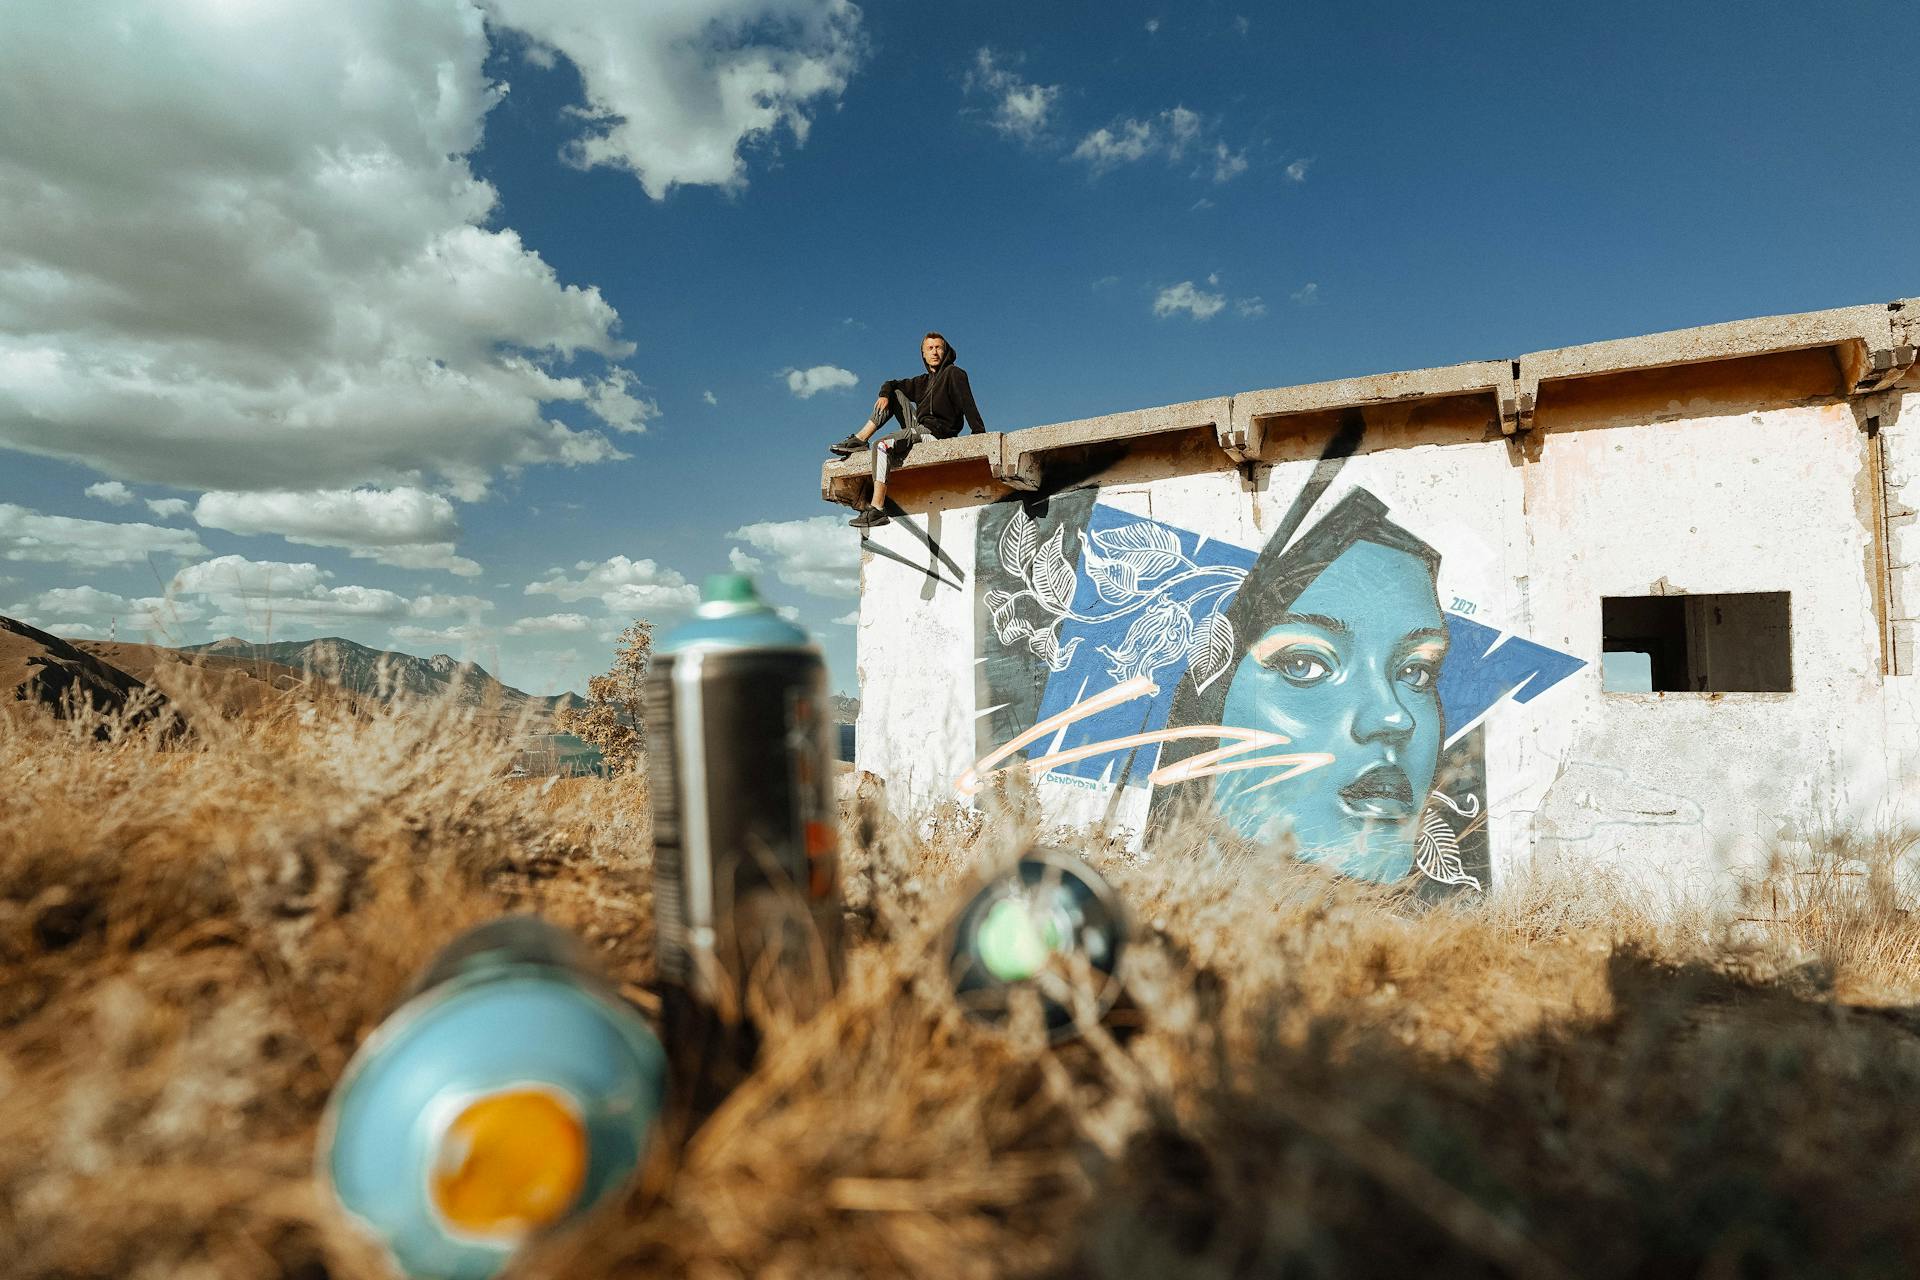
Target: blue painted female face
x=1350, y=669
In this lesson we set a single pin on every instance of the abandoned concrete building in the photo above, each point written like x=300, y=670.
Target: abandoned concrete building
x=1645, y=605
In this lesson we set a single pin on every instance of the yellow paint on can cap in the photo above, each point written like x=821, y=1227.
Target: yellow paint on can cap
x=510, y=1163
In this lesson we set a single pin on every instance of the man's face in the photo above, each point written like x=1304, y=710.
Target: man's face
x=933, y=351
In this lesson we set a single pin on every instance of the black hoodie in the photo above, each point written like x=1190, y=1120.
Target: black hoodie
x=941, y=397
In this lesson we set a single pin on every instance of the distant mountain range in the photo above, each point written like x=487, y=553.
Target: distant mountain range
x=41, y=667
x=386, y=674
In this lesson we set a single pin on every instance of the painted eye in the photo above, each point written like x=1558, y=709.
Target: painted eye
x=1300, y=666
x=1419, y=674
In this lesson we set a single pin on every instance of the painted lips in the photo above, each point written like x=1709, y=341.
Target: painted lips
x=1382, y=791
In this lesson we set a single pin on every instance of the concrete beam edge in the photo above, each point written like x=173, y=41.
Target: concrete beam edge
x=1878, y=343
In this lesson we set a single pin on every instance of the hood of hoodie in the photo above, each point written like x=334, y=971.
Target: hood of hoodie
x=951, y=356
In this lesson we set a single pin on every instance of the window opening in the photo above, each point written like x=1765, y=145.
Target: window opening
x=1729, y=643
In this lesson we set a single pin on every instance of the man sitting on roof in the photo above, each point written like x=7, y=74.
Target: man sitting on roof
x=930, y=407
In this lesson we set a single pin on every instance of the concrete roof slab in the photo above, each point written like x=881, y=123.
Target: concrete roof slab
x=1875, y=346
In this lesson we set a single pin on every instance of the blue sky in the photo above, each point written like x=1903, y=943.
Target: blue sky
x=479, y=328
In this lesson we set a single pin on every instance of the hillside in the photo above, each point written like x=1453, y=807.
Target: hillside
x=39, y=668
x=386, y=675
x=233, y=685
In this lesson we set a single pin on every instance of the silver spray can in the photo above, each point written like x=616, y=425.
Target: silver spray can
x=745, y=827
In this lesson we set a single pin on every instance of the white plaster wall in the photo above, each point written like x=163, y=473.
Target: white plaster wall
x=1675, y=790
x=915, y=655
x=1898, y=415
x=1683, y=788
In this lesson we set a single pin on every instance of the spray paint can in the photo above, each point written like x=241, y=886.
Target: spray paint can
x=745, y=824
x=510, y=1090
x=1051, y=926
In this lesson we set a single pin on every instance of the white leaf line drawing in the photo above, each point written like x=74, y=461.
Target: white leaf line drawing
x=1148, y=549
x=1052, y=579
x=1138, y=569
x=1017, y=544
x=1116, y=582
x=1437, y=849
x=1210, y=652
x=1008, y=626
x=1043, y=644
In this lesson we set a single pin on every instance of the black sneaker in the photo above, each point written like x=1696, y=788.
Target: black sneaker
x=869, y=518
x=851, y=445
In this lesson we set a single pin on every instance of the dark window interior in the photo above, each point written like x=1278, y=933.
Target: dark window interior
x=1734, y=643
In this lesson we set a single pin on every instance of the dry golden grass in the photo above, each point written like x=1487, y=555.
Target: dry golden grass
x=1306, y=1077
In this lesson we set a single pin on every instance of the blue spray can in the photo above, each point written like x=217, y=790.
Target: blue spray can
x=1052, y=926
x=510, y=1090
x=745, y=823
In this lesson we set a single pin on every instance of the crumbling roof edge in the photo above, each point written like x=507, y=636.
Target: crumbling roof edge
x=1874, y=343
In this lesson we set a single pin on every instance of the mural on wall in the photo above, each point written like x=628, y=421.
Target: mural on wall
x=1315, y=688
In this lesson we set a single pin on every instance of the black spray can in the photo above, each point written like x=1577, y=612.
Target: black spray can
x=1050, y=926
x=745, y=827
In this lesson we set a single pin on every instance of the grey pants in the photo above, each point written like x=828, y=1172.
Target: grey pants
x=894, y=448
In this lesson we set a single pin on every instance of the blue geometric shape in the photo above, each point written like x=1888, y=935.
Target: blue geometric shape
x=1477, y=674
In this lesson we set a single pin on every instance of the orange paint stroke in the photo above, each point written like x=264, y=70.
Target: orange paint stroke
x=1197, y=765
x=1316, y=759
x=1281, y=639
x=1204, y=764
x=1257, y=739
x=1126, y=691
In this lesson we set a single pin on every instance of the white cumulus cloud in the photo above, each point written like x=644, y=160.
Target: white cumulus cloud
x=404, y=527
x=1227, y=163
x=87, y=544
x=813, y=554
x=1168, y=134
x=628, y=587
x=111, y=492
x=428, y=555
x=1197, y=303
x=1020, y=109
x=460, y=633
x=245, y=249
x=1307, y=294
x=1123, y=143
x=237, y=577
x=78, y=602
x=676, y=88
x=1297, y=171
x=333, y=517
x=1171, y=136
x=550, y=624
x=277, y=597
x=807, y=383
x=88, y=610
x=169, y=508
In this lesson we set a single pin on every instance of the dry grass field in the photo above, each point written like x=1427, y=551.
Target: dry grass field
x=1306, y=1078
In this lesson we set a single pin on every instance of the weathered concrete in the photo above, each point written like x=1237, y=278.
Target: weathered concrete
x=1873, y=348
x=1039, y=570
